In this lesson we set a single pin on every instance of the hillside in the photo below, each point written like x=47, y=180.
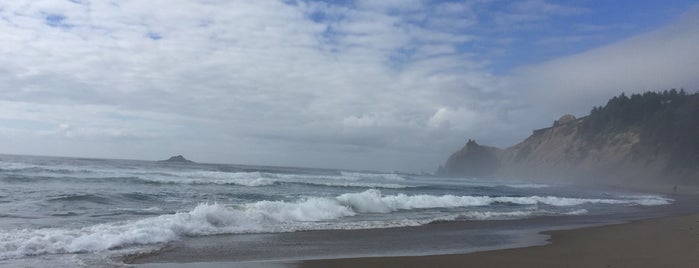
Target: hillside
x=650, y=138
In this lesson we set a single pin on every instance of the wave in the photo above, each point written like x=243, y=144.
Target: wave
x=356, y=184
x=16, y=216
x=527, y=185
x=374, y=176
x=32, y=173
x=26, y=174
x=14, y=178
x=139, y=196
x=255, y=179
x=251, y=179
x=205, y=219
x=82, y=198
x=565, y=201
x=491, y=215
x=648, y=200
x=313, y=213
x=373, y=201
x=9, y=167
x=66, y=214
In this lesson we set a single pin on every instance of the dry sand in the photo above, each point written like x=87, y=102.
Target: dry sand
x=663, y=242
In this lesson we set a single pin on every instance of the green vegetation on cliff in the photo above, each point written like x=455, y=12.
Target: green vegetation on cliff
x=668, y=123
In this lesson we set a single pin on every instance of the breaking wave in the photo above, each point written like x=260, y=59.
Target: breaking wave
x=251, y=179
x=382, y=176
x=311, y=213
x=20, y=173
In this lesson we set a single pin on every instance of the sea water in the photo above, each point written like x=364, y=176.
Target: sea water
x=88, y=212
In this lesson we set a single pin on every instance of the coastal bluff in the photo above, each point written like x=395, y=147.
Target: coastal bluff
x=648, y=138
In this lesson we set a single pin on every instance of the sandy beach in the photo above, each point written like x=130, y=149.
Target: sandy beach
x=662, y=242
x=665, y=236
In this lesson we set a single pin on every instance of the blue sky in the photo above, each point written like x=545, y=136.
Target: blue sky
x=516, y=33
x=598, y=23
x=385, y=85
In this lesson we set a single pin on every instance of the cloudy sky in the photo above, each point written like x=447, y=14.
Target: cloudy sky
x=383, y=85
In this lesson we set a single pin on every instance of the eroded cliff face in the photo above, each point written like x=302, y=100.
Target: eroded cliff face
x=650, y=138
x=562, y=152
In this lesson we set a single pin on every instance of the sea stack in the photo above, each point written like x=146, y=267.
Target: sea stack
x=473, y=160
x=177, y=159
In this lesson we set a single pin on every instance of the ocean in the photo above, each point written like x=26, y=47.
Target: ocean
x=89, y=212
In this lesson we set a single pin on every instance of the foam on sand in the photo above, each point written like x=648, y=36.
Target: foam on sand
x=273, y=216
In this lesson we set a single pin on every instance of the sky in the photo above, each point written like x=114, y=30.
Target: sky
x=392, y=85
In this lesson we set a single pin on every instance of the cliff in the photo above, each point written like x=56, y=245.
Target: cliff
x=473, y=160
x=647, y=138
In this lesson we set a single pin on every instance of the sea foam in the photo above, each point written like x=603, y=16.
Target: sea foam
x=311, y=213
x=256, y=179
x=380, y=176
x=201, y=177
x=251, y=179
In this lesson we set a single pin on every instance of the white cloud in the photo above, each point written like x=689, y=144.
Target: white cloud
x=372, y=84
x=235, y=71
x=662, y=59
x=453, y=118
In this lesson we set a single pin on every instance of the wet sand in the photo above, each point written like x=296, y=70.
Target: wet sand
x=663, y=242
x=664, y=236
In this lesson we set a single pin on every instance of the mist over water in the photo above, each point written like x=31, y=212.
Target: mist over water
x=54, y=206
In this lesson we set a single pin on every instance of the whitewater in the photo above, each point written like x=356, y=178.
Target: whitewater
x=84, y=212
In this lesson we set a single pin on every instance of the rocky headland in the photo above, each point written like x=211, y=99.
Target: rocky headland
x=650, y=138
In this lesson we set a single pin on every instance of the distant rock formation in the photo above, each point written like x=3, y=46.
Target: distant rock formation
x=473, y=160
x=177, y=159
x=648, y=138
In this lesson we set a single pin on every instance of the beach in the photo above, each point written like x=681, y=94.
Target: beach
x=671, y=241
x=662, y=242
x=659, y=238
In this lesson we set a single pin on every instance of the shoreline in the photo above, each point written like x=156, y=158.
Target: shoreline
x=670, y=241
x=441, y=244
x=666, y=241
x=339, y=248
